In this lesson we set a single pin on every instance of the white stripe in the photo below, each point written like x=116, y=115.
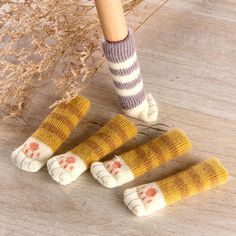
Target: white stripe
x=133, y=202
x=130, y=194
x=124, y=65
x=98, y=169
x=127, y=78
x=132, y=91
x=102, y=175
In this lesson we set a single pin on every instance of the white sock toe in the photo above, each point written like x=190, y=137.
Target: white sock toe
x=65, y=168
x=34, y=165
x=133, y=202
x=55, y=173
x=31, y=156
x=19, y=160
x=65, y=178
x=144, y=199
x=24, y=163
x=112, y=173
x=151, y=114
x=60, y=175
x=15, y=153
x=146, y=111
x=52, y=163
x=102, y=175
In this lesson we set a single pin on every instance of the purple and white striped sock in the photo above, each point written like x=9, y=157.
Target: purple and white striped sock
x=124, y=67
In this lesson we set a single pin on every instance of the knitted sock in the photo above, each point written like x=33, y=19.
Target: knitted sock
x=67, y=167
x=34, y=153
x=124, y=67
x=130, y=165
x=147, y=198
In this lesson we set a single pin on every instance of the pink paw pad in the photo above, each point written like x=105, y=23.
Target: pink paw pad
x=147, y=194
x=34, y=146
x=70, y=159
x=67, y=162
x=32, y=150
x=113, y=167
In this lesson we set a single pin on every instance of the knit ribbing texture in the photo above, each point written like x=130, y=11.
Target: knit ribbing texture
x=146, y=157
x=67, y=167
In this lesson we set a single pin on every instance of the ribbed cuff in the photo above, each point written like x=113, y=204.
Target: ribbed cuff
x=119, y=51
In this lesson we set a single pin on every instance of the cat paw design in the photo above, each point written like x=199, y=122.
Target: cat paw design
x=65, y=168
x=111, y=173
x=144, y=199
x=31, y=156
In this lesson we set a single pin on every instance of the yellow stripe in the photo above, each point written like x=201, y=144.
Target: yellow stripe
x=61, y=121
x=111, y=136
x=155, y=153
x=194, y=180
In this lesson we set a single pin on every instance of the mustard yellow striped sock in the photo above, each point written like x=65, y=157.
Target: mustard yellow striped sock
x=58, y=125
x=147, y=198
x=130, y=165
x=67, y=167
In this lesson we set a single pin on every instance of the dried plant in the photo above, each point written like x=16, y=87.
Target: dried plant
x=47, y=40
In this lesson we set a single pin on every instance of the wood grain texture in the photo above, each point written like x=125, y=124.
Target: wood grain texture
x=187, y=54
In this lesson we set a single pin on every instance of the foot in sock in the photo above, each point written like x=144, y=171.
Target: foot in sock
x=148, y=198
x=66, y=168
x=135, y=163
x=124, y=67
x=34, y=153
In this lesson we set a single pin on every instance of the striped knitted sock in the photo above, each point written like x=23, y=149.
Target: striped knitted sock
x=147, y=198
x=67, y=167
x=124, y=67
x=130, y=165
x=34, y=153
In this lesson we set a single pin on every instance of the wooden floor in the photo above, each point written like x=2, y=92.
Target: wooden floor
x=187, y=51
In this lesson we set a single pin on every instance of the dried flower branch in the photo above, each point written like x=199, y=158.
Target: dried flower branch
x=46, y=40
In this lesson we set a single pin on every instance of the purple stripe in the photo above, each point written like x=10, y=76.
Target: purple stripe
x=119, y=51
x=129, y=102
x=126, y=71
x=128, y=85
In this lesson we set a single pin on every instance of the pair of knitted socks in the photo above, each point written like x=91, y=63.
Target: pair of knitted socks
x=145, y=199
x=67, y=167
